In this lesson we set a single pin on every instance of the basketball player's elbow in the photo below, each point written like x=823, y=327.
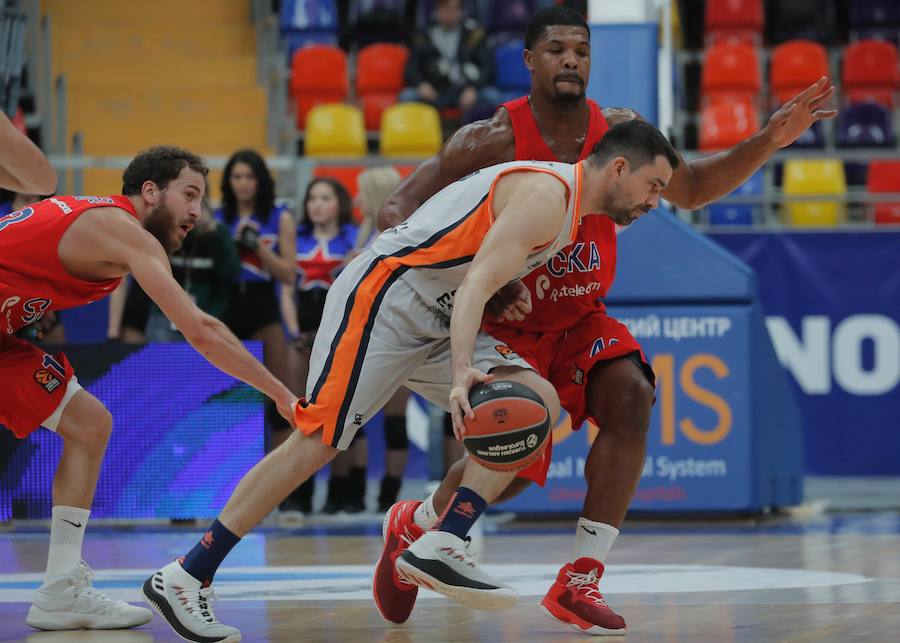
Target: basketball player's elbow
x=42, y=182
x=204, y=332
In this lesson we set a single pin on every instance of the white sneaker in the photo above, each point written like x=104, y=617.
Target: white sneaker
x=475, y=540
x=438, y=561
x=186, y=606
x=70, y=603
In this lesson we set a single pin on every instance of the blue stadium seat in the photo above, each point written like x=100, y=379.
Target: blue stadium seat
x=875, y=19
x=371, y=21
x=308, y=22
x=865, y=125
x=513, y=77
x=507, y=20
x=739, y=213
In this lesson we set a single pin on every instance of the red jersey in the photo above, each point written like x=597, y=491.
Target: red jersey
x=571, y=283
x=33, y=280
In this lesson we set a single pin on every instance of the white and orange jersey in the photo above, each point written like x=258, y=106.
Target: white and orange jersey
x=433, y=249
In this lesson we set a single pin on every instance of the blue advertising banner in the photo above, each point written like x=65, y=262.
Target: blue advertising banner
x=832, y=306
x=699, y=450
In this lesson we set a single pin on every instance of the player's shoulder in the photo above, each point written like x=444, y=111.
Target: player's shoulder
x=491, y=140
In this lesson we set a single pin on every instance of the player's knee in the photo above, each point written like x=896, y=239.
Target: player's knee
x=395, y=434
x=624, y=405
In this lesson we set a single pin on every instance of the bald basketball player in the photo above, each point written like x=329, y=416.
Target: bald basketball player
x=613, y=387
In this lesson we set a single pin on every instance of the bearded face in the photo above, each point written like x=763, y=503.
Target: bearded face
x=162, y=223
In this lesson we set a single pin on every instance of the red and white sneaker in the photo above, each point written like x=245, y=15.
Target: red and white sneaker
x=394, y=596
x=575, y=599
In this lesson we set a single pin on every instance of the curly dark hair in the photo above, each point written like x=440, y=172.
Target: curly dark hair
x=345, y=205
x=265, y=187
x=160, y=164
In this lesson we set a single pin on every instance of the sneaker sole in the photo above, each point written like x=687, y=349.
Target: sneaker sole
x=161, y=606
x=595, y=630
x=58, y=621
x=493, y=600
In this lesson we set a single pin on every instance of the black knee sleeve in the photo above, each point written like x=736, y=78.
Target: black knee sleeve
x=448, y=426
x=395, y=435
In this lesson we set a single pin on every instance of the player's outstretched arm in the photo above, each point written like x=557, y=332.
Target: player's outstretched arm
x=471, y=148
x=23, y=167
x=529, y=211
x=711, y=177
x=136, y=249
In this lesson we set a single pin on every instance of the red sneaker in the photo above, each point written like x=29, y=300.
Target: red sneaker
x=394, y=596
x=575, y=599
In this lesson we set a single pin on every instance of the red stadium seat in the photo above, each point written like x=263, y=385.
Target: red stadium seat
x=730, y=69
x=795, y=66
x=869, y=72
x=725, y=124
x=379, y=78
x=318, y=75
x=741, y=20
x=884, y=177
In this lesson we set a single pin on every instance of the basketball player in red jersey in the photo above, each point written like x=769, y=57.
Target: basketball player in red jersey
x=68, y=251
x=615, y=386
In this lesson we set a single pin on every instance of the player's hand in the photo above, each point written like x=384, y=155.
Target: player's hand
x=798, y=114
x=510, y=303
x=286, y=408
x=463, y=380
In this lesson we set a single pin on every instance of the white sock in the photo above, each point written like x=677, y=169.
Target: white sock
x=425, y=516
x=593, y=539
x=67, y=527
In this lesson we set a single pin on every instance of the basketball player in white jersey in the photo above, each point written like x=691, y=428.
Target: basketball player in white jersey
x=408, y=312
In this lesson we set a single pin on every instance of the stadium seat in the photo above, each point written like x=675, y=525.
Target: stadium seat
x=729, y=20
x=410, y=130
x=884, y=177
x=874, y=13
x=513, y=77
x=725, y=124
x=308, y=22
x=335, y=130
x=811, y=138
x=869, y=72
x=865, y=125
x=730, y=69
x=739, y=213
x=379, y=78
x=802, y=19
x=814, y=177
x=795, y=66
x=318, y=76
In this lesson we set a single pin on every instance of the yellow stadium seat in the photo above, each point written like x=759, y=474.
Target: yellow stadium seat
x=814, y=177
x=410, y=130
x=335, y=130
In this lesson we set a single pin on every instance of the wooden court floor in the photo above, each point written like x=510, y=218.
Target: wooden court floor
x=831, y=578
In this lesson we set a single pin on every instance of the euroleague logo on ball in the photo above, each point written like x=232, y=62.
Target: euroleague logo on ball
x=531, y=441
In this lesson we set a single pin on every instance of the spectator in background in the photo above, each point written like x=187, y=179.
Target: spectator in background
x=375, y=184
x=450, y=65
x=265, y=235
x=205, y=266
x=325, y=236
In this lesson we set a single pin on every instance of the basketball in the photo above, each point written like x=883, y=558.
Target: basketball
x=510, y=427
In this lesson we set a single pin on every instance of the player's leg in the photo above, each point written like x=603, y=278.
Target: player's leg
x=397, y=449
x=356, y=365
x=66, y=599
x=438, y=560
x=618, y=393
